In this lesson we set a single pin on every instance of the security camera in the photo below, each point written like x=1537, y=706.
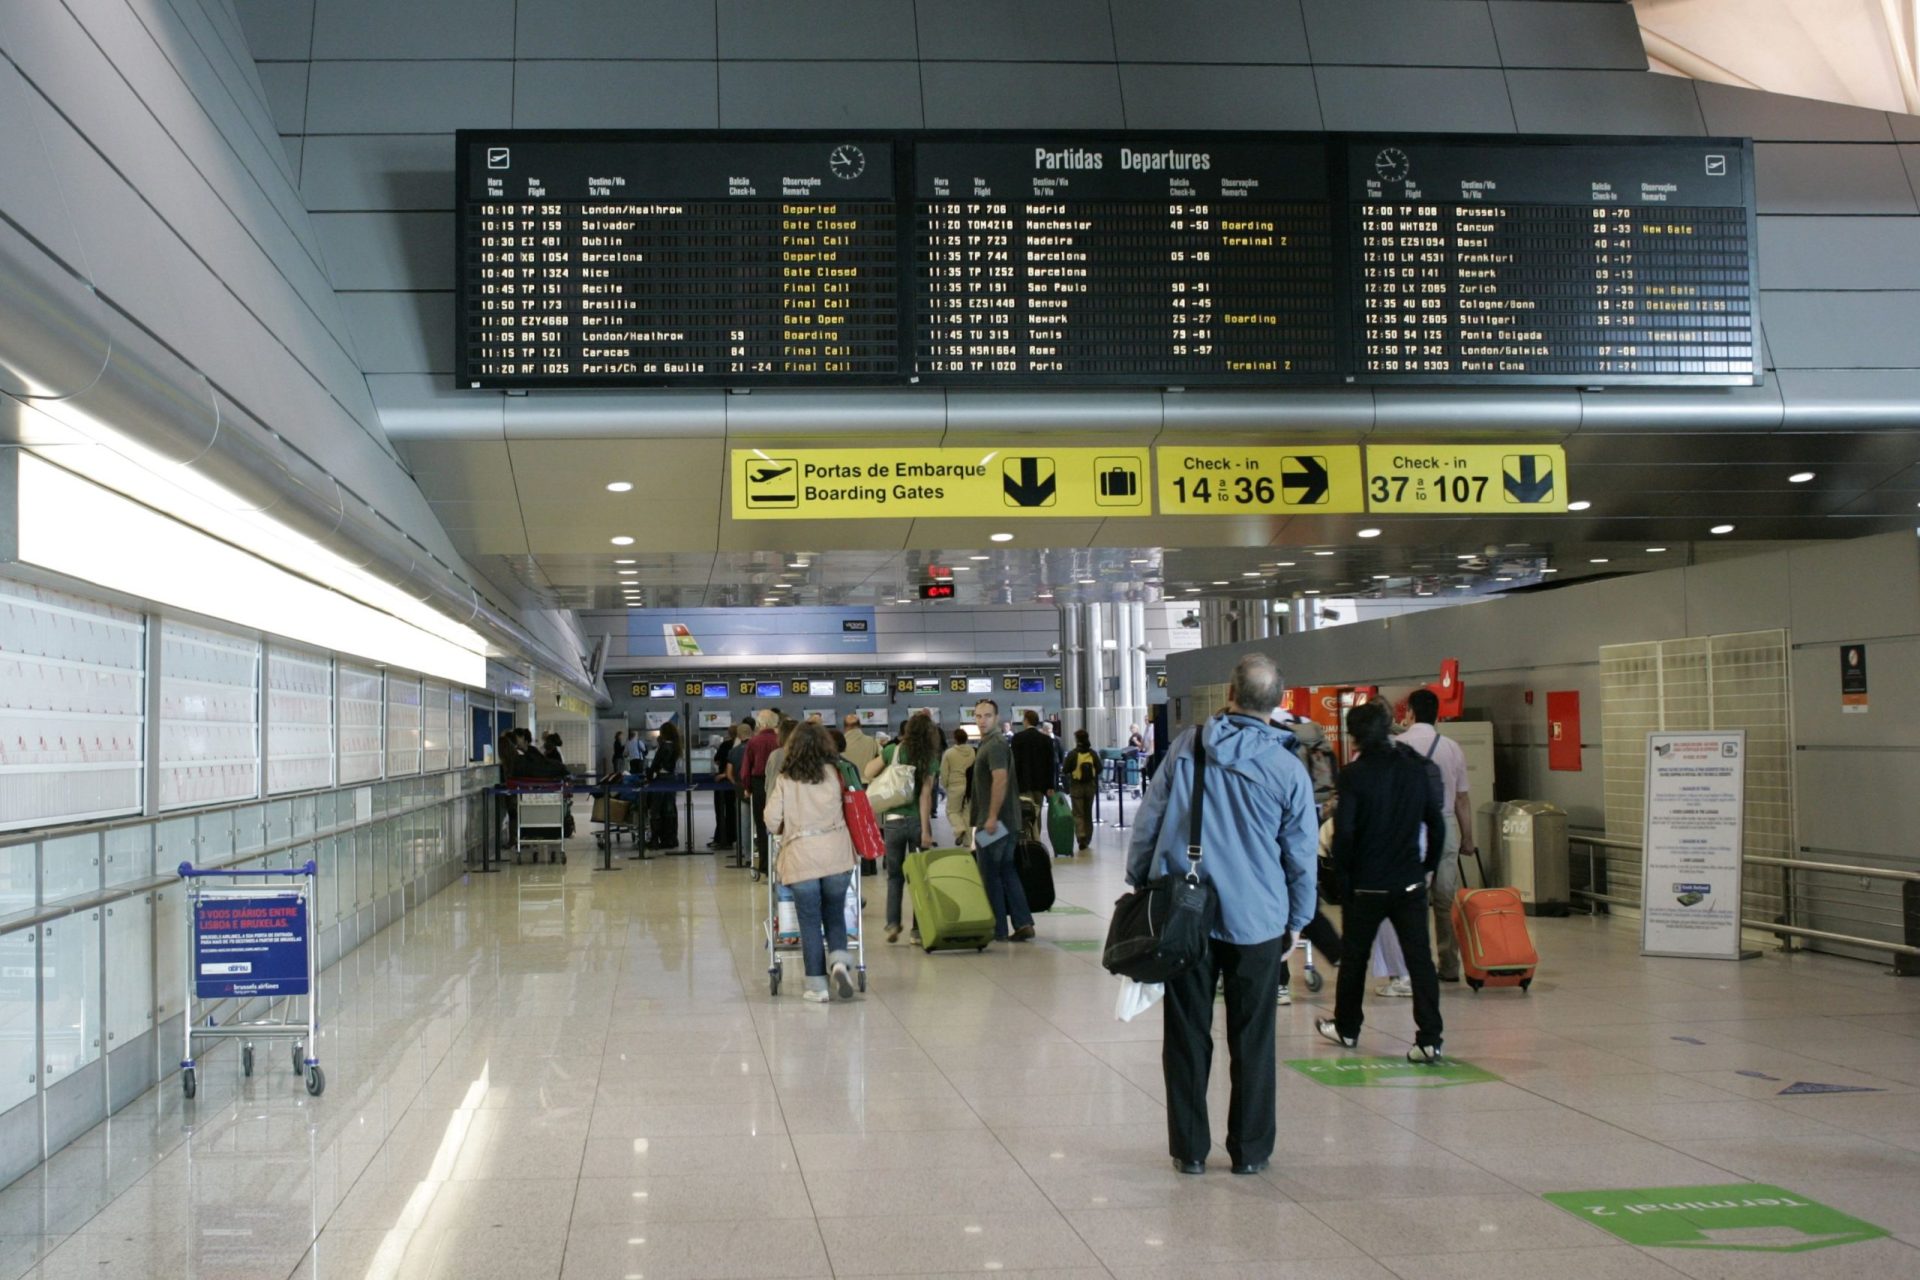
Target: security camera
x=1191, y=621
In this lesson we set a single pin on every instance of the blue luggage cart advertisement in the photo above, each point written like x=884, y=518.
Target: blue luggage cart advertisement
x=250, y=946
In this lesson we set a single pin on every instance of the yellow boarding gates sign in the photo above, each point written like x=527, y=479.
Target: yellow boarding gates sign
x=963, y=481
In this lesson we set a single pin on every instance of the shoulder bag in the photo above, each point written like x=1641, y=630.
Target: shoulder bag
x=1160, y=929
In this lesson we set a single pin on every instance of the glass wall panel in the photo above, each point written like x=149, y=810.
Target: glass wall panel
x=361, y=744
x=403, y=725
x=299, y=719
x=209, y=716
x=69, y=866
x=170, y=957
x=19, y=1015
x=129, y=932
x=69, y=993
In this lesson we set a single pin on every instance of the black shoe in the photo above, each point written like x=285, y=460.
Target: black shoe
x=1446, y=978
x=1190, y=1166
x=1257, y=1166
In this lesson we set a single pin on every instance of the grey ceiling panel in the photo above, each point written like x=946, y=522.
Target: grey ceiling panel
x=1110, y=417
x=845, y=31
x=413, y=28
x=1241, y=31
x=393, y=171
x=1800, y=177
x=916, y=417
x=615, y=95
x=420, y=406
x=1852, y=399
x=1775, y=117
x=277, y=28
x=402, y=332
x=1632, y=102
x=1906, y=128
x=1310, y=411
x=409, y=97
x=819, y=95
x=1688, y=408
x=1196, y=97
x=286, y=87
x=292, y=147
x=1840, y=253
x=1415, y=99
x=1542, y=412
x=1414, y=33
x=991, y=30
x=615, y=28
x=1532, y=34
x=387, y=250
x=1815, y=330
x=1910, y=158
x=1009, y=95
x=632, y=415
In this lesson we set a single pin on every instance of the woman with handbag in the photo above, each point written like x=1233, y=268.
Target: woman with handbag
x=816, y=857
x=900, y=784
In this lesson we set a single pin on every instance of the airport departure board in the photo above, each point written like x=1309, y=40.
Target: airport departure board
x=613, y=259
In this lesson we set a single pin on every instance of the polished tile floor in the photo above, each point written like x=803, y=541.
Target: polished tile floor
x=562, y=1072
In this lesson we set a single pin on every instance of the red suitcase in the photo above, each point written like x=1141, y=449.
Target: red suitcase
x=1491, y=926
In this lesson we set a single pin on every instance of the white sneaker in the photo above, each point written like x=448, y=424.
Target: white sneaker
x=811, y=996
x=843, y=981
x=1396, y=987
x=1286, y=997
x=1424, y=1054
x=1330, y=1032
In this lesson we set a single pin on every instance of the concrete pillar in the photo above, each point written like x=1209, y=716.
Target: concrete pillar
x=1094, y=667
x=1137, y=659
x=1072, y=692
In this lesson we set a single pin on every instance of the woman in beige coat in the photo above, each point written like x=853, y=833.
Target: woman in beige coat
x=955, y=768
x=816, y=856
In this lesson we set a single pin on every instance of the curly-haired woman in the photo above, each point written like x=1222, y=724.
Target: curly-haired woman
x=816, y=856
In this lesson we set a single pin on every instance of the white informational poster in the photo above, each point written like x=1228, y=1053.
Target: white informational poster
x=1691, y=850
x=657, y=718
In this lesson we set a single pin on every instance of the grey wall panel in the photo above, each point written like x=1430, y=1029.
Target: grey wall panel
x=402, y=332
x=1200, y=97
x=413, y=29
x=1627, y=102
x=847, y=31
x=1414, y=99
x=277, y=28
x=1828, y=602
x=1843, y=330
x=1892, y=718
x=1857, y=801
x=614, y=95
x=292, y=147
x=1532, y=34
x=395, y=171
x=1910, y=159
x=1849, y=399
x=1776, y=117
x=1014, y=30
x=409, y=97
x=33, y=196
x=1415, y=33
x=1830, y=178
x=620, y=28
x=987, y=95
x=1840, y=253
x=1730, y=596
x=235, y=74
x=1905, y=127
x=285, y=84
x=387, y=250
x=807, y=95
x=1238, y=31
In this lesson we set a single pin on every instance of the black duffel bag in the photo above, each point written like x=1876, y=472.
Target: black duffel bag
x=1161, y=929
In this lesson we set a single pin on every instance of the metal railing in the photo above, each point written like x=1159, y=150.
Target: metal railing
x=1906, y=953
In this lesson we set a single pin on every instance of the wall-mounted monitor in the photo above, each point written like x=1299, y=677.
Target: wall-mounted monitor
x=873, y=688
x=926, y=684
x=663, y=689
x=1033, y=684
x=980, y=684
x=767, y=689
x=714, y=689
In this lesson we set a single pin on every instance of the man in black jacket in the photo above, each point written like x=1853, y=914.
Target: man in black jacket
x=1389, y=797
x=1034, y=771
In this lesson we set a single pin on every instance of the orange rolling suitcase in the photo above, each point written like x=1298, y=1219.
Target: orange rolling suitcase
x=1491, y=926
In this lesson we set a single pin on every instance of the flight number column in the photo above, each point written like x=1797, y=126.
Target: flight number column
x=522, y=261
x=969, y=309
x=1406, y=311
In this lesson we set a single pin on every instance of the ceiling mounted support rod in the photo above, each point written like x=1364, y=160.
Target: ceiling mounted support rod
x=1689, y=63
x=1903, y=32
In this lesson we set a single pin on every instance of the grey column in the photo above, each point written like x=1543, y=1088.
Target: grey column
x=1094, y=666
x=1136, y=657
x=1072, y=695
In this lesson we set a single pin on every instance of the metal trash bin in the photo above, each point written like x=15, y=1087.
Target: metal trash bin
x=1533, y=845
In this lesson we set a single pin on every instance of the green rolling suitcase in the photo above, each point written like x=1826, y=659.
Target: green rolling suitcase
x=949, y=901
x=1060, y=829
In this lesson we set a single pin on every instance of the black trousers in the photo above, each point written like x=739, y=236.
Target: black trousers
x=757, y=789
x=1325, y=938
x=1250, y=973
x=724, y=810
x=1363, y=913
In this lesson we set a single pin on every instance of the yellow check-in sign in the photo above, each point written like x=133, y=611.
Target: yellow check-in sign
x=1482, y=479
x=1306, y=479
x=973, y=480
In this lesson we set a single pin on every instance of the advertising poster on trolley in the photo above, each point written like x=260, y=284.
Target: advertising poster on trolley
x=1691, y=860
x=254, y=946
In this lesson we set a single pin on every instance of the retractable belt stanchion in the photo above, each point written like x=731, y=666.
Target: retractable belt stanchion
x=490, y=850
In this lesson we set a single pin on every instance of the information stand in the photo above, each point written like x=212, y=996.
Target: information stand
x=1691, y=868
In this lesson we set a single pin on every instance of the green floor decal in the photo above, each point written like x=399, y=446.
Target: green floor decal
x=1389, y=1073
x=1067, y=909
x=1080, y=944
x=1747, y=1216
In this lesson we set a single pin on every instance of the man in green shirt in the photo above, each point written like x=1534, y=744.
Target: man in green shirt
x=996, y=825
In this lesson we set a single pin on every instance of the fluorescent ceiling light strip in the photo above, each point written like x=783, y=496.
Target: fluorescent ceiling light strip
x=74, y=527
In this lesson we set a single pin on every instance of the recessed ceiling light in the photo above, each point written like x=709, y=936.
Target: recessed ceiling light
x=1800, y=477
x=1369, y=533
x=1139, y=562
x=1379, y=577
x=1323, y=553
x=1654, y=551
x=1085, y=582
x=1463, y=586
x=1721, y=528
x=1578, y=506
x=1503, y=579
x=622, y=541
x=1598, y=560
x=1549, y=571
x=1189, y=588
x=963, y=568
x=1467, y=555
x=1251, y=573
x=979, y=557
x=1219, y=582
x=623, y=562
x=620, y=486
x=999, y=537
x=1283, y=564
x=1313, y=591
x=628, y=573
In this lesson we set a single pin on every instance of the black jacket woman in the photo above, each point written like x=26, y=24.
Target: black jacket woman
x=663, y=824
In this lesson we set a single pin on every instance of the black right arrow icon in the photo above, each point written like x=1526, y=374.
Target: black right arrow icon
x=1023, y=484
x=1303, y=480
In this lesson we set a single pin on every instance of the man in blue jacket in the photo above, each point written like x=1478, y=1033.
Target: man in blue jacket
x=1259, y=844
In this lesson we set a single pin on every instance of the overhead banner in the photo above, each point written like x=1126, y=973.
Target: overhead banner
x=1691, y=859
x=881, y=483
x=797, y=631
x=1282, y=480
x=1449, y=479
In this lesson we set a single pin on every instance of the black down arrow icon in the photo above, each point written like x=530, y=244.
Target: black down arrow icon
x=1303, y=482
x=1028, y=489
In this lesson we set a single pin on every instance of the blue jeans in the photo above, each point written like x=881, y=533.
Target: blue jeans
x=817, y=903
x=1001, y=875
x=903, y=837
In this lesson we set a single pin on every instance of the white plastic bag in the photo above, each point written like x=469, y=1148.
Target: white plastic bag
x=1136, y=998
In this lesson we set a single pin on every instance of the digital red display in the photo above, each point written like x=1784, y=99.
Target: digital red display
x=936, y=591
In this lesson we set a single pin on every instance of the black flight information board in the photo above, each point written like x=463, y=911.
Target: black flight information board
x=1026, y=260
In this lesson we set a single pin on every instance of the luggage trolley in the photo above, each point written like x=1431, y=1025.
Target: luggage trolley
x=248, y=942
x=543, y=820
x=781, y=945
